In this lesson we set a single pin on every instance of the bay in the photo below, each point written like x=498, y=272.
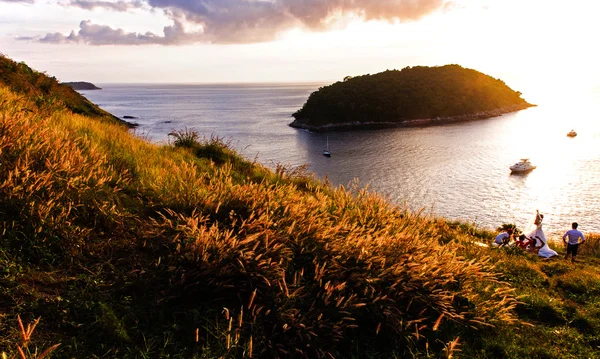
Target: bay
x=458, y=171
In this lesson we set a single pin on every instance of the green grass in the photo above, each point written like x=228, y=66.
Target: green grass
x=133, y=250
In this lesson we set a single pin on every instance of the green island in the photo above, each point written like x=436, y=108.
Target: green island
x=113, y=247
x=81, y=85
x=413, y=96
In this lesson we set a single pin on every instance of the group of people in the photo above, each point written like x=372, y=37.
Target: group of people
x=536, y=242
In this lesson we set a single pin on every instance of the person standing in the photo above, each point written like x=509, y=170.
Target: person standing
x=573, y=243
x=541, y=244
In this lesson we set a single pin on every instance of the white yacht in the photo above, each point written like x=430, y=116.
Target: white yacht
x=572, y=133
x=523, y=166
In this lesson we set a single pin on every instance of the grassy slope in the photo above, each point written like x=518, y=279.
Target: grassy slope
x=128, y=249
x=45, y=91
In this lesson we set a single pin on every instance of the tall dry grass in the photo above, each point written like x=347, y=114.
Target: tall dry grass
x=591, y=247
x=55, y=189
x=307, y=270
x=24, y=350
x=302, y=269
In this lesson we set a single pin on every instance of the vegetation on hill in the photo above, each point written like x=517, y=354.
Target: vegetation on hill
x=80, y=85
x=132, y=250
x=395, y=97
x=46, y=92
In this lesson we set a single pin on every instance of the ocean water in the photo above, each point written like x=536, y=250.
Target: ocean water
x=459, y=171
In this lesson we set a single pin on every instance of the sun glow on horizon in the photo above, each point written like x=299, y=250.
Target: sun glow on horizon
x=539, y=50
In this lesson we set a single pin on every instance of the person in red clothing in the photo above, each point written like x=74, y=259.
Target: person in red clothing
x=523, y=242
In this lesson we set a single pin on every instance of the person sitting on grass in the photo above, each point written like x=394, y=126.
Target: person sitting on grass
x=523, y=242
x=531, y=245
x=573, y=244
x=503, y=238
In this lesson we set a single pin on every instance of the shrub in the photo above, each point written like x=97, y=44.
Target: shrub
x=217, y=151
x=185, y=138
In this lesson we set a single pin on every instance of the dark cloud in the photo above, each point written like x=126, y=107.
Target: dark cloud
x=239, y=21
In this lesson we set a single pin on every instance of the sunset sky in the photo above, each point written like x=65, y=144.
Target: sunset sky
x=536, y=46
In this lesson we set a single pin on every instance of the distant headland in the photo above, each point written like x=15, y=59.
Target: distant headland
x=413, y=96
x=80, y=85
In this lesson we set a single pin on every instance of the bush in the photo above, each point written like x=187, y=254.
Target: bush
x=185, y=138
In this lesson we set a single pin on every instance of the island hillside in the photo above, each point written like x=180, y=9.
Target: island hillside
x=113, y=247
x=47, y=92
x=80, y=85
x=412, y=96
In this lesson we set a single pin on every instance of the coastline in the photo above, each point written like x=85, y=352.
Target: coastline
x=121, y=184
x=436, y=121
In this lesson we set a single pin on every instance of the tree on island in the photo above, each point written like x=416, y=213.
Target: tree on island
x=394, y=96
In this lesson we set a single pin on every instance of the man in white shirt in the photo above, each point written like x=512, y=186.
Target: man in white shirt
x=573, y=243
x=503, y=238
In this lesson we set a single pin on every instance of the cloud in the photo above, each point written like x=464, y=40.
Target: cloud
x=115, y=6
x=261, y=20
x=21, y=1
x=94, y=34
x=239, y=21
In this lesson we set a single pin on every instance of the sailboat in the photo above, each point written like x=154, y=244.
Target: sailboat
x=326, y=152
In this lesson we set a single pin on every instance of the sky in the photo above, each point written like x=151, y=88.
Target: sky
x=538, y=46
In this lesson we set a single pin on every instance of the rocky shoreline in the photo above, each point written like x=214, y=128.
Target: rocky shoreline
x=298, y=123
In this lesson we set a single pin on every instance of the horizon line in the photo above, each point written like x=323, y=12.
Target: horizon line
x=210, y=83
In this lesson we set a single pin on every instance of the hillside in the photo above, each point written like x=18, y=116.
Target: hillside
x=126, y=249
x=47, y=93
x=80, y=85
x=413, y=96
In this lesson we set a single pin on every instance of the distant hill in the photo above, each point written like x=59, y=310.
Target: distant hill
x=48, y=92
x=412, y=96
x=80, y=85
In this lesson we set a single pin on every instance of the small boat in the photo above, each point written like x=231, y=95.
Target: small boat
x=572, y=133
x=523, y=166
x=326, y=152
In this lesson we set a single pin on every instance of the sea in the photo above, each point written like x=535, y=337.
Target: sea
x=459, y=171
